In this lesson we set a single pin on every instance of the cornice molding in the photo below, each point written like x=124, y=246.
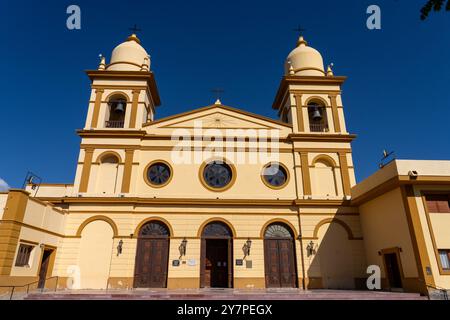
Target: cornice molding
x=396, y=182
x=138, y=201
x=321, y=137
x=111, y=133
x=136, y=75
x=303, y=80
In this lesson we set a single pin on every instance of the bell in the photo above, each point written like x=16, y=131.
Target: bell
x=120, y=107
x=316, y=115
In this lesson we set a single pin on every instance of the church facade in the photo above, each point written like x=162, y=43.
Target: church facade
x=220, y=197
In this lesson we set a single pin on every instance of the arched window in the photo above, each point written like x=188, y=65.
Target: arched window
x=117, y=106
x=217, y=229
x=107, y=174
x=323, y=178
x=317, y=114
x=154, y=229
x=278, y=230
x=110, y=159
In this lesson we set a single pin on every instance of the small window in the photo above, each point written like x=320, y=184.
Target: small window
x=154, y=229
x=23, y=255
x=217, y=175
x=278, y=230
x=110, y=159
x=158, y=174
x=438, y=203
x=275, y=175
x=445, y=259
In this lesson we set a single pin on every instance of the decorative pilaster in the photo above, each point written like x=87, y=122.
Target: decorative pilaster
x=96, y=112
x=306, y=178
x=344, y=173
x=85, y=173
x=299, y=109
x=134, y=107
x=334, y=110
x=127, y=170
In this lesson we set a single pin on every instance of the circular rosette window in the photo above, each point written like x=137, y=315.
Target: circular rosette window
x=275, y=175
x=217, y=175
x=158, y=174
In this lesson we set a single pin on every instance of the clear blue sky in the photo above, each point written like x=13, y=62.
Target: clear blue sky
x=396, y=96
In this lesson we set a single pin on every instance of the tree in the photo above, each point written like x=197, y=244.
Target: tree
x=435, y=5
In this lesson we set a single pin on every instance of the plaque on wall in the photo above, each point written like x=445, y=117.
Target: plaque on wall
x=239, y=262
x=191, y=262
x=176, y=263
x=248, y=264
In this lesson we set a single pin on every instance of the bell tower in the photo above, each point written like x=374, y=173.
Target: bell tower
x=123, y=98
x=123, y=93
x=309, y=98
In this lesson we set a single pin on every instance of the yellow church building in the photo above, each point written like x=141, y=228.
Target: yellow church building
x=220, y=197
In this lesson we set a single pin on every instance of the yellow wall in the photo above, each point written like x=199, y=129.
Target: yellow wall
x=436, y=232
x=384, y=226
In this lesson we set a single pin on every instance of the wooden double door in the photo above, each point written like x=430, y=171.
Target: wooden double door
x=152, y=259
x=279, y=259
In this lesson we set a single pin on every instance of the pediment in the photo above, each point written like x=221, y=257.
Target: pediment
x=218, y=117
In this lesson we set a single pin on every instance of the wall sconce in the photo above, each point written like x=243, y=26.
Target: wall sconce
x=182, y=247
x=119, y=247
x=246, y=247
x=310, y=249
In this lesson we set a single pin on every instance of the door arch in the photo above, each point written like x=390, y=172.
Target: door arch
x=152, y=256
x=279, y=256
x=216, y=256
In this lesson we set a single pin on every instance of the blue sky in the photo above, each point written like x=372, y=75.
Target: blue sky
x=396, y=96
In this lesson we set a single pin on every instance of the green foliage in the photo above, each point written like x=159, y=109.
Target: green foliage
x=435, y=5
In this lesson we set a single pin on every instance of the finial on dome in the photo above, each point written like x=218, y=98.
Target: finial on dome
x=301, y=41
x=291, y=69
x=218, y=102
x=134, y=37
x=145, y=66
x=329, y=70
x=102, y=65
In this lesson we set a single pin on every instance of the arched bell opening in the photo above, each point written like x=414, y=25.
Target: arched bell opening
x=117, y=106
x=317, y=114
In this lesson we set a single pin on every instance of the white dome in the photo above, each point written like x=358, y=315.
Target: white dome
x=305, y=61
x=129, y=56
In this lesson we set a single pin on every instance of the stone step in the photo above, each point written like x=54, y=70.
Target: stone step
x=227, y=295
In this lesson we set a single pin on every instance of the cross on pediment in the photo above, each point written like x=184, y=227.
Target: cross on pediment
x=135, y=29
x=217, y=92
x=299, y=29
